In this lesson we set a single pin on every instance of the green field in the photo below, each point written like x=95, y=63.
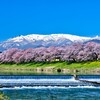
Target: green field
x=51, y=68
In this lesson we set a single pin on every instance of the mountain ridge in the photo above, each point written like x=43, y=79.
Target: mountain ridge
x=51, y=36
x=37, y=40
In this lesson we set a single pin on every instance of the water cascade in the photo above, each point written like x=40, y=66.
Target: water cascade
x=49, y=80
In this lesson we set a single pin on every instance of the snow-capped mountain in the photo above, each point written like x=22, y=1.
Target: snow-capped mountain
x=54, y=37
x=36, y=40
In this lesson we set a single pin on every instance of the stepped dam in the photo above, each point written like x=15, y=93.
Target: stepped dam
x=49, y=80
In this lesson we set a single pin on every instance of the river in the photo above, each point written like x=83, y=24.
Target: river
x=74, y=90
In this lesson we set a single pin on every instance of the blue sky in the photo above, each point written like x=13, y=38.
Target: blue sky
x=21, y=17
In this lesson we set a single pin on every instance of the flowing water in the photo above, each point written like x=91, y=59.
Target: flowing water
x=49, y=87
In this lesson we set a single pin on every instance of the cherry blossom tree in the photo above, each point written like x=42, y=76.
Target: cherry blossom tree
x=73, y=53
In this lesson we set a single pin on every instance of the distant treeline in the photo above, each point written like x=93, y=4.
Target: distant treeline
x=74, y=53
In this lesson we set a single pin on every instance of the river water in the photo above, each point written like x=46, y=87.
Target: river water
x=74, y=90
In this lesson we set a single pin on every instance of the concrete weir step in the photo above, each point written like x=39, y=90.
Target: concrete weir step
x=46, y=80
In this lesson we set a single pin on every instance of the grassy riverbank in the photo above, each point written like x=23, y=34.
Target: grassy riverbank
x=51, y=68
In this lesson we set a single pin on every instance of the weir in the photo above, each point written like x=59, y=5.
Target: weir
x=49, y=80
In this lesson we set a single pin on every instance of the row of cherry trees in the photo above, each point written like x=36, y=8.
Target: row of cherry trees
x=73, y=53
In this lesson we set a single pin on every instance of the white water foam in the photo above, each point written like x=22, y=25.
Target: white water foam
x=70, y=81
x=50, y=87
x=36, y=80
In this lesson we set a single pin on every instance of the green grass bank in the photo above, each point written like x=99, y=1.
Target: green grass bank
x=51, y=68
